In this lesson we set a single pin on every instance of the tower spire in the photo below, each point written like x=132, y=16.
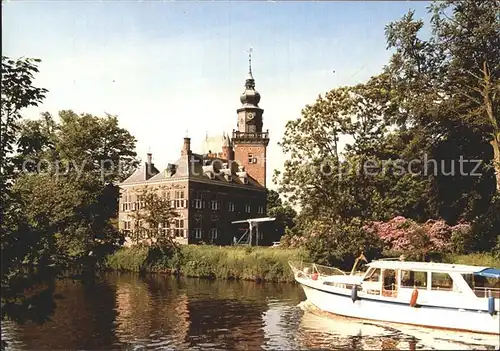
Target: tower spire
x=250, y=50
x=250, y=82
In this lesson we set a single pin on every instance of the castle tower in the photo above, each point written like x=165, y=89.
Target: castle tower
x=249, y=141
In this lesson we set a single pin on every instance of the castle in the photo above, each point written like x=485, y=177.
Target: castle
x=209, y=191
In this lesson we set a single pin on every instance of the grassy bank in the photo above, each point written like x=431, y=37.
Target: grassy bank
x=227, y=262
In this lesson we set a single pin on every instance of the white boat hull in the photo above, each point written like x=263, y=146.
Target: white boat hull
x=370, y=308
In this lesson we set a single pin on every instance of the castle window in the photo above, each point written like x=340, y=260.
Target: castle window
x=179, y=227
x=198, y=203
x=197, y=233
x=126, y=225
x=165, y=228
x=140, y=202
x=180, y=203
x=126, y=205
x=260, y=210
x=252, y=159
x=247, y=209
x=179, y=223
x=230, y=206
x=214, y=232
x=214, y=205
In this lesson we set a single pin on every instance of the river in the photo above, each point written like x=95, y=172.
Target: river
x=128, y=311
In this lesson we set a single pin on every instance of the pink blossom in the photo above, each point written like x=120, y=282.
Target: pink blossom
x=397, y=232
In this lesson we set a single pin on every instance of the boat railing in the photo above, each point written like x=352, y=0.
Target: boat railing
x=487, y=292
x=309, y=269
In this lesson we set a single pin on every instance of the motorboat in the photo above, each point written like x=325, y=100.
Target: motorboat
x=428, y=294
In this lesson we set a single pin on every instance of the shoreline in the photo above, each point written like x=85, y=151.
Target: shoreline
x=258, y=264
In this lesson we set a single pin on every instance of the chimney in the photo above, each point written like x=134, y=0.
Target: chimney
x=149, y=166
x=186, y=148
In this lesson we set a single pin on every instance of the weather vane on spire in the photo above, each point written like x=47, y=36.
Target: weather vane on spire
x=250, y=50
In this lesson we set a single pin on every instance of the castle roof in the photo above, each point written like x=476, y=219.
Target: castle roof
x=142, y=174
x=198, y=167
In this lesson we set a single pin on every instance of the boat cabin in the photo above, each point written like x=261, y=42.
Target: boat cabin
x=399, y=279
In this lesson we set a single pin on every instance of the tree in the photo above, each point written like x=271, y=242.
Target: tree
x=449, y=83
x=284, y=214
x=320, y=178
x=153, y=220
x=66, y=184
x=60, y=195
x=338, y=245
x=17, y=245
x=273, y=199
x=78, y=143
x=470, y=39
x=18, y=93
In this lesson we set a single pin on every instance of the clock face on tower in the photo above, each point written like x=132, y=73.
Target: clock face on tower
x=250, y=115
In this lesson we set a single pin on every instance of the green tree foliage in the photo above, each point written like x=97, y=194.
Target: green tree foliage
x=66, y=184
x=470, y=41
x=17, y=243
x=283, y=212
x=353, y=184
x=447, y=90
x=328, y=244
x=77, y=144
x=18, y=93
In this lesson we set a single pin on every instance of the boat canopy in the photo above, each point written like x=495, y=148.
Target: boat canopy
x=428, y=266
x=489, y=273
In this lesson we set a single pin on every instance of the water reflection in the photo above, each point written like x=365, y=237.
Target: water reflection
x=155, y=311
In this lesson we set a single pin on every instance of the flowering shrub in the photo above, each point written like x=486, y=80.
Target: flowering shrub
x=402, y=234
x=293, y=241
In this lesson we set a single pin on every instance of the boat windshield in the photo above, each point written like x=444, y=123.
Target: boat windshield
x=483, y=286
x=373, y=275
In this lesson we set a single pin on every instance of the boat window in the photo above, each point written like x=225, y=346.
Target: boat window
x=441, y=281
x=389, y=286
x=483, y=286
x=389, y=279
x=373, y=276
x=410, y=279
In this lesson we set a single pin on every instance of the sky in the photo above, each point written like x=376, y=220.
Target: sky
x=171, y=69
